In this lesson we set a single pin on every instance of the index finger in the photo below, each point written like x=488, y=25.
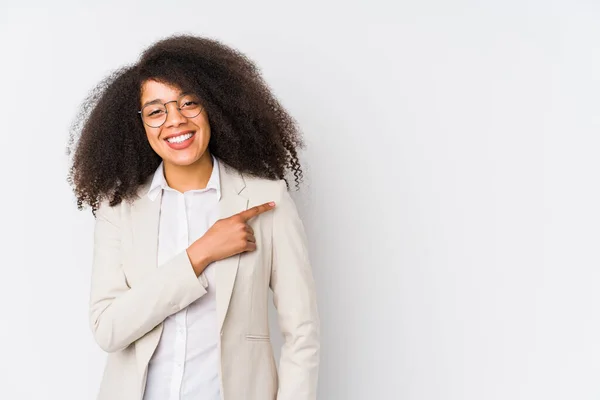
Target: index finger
x=256, y=210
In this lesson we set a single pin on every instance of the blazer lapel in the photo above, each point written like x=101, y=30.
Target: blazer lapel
x=232, y=183
x=145, y=215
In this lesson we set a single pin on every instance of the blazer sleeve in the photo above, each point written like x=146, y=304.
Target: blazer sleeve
x=294, y=297
x=120, y=314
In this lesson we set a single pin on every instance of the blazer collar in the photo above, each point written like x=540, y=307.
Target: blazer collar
x=156, y=182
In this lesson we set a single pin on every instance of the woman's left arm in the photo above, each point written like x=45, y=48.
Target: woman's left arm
x=294, y=297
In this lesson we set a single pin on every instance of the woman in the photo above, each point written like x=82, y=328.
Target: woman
x=181, y=158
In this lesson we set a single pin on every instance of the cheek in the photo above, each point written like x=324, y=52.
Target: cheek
x=202, y=122
x=152, y=139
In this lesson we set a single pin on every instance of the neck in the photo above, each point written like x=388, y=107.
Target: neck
x=189, y=177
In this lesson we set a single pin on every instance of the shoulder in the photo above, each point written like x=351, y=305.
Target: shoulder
x=123, y=208
x=262, y=189
x=257, y=184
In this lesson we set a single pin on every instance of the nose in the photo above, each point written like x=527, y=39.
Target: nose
x=174, y=116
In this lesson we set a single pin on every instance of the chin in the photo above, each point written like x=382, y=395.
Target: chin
x=183, y=161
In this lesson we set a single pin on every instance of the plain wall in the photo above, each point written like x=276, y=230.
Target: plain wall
x=451, y=196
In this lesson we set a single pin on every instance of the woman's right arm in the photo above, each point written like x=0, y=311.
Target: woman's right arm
x=120, y=314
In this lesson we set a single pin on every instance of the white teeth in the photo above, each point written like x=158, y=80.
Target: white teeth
x=179, y=139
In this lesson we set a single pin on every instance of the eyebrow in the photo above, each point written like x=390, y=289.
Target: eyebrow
x=162, y=102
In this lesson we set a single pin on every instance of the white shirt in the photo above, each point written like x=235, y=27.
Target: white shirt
x=185, y=365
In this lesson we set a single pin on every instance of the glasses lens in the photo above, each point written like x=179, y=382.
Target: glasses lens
x=190, y=106
x=154, y=115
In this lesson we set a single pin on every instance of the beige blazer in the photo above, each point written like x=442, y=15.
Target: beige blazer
x=131, y=297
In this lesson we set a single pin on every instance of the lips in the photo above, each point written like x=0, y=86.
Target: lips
x=180, y=145
x=180, y=138
x=178, y=134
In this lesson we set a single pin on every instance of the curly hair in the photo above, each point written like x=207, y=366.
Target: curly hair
x=250, y=129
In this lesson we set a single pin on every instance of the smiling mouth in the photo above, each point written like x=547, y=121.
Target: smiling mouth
x=180, y=138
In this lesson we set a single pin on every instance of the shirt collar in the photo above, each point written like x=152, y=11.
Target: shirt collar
x=159, y=181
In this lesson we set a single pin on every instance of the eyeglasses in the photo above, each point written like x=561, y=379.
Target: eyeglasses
x=155, y=114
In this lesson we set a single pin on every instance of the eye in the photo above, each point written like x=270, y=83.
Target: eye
x=189, y=104
x=154, y=113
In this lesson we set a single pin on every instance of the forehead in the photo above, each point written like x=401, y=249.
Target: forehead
x=152, y=90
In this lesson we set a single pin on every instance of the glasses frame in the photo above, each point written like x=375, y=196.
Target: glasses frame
x=167, y=110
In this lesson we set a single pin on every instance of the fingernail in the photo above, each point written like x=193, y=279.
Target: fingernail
x=272, y=204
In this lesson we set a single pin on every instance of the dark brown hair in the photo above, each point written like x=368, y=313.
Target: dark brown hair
x=250, y=130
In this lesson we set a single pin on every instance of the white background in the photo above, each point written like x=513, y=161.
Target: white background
x=451, y=198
